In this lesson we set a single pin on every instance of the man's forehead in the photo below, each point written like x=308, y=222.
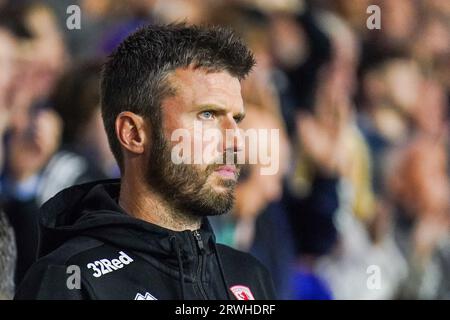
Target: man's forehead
x=200, y=86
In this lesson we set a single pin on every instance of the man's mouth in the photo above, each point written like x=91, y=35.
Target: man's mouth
x=228, y=171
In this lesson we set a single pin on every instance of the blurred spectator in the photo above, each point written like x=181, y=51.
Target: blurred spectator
x=33, y=170
x=45, y=51
x=27, y=153
x=419, y=187
x=8, y=252
x=37, y=167
x=77, y=101
x=332, y=147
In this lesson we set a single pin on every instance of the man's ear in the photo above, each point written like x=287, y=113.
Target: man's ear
x=130, y=130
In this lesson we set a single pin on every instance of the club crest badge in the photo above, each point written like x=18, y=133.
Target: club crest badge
x=242, y=293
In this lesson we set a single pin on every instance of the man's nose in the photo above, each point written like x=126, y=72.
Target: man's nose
x=233, y=136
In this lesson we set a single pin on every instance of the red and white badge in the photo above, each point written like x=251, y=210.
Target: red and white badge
x=242, y=293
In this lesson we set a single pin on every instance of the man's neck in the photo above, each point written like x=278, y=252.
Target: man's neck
x=139, y=201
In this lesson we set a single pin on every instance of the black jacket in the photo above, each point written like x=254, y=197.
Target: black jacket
x=120, y=257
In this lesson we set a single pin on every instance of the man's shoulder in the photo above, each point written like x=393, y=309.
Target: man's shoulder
x=85, y=251
x=47, y=277
x=84, y=256
x=72, y=250
x=78, y=251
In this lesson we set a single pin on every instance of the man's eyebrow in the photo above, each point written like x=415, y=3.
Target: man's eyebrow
x=211, y=106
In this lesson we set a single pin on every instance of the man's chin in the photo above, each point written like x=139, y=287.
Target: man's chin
x=218, y=196
x=221, y=184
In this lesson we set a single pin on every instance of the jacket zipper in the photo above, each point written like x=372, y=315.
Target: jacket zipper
x=201, y=248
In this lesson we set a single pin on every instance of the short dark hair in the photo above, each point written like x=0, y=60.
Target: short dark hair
x=134, y=78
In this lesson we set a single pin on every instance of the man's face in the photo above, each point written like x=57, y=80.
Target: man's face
x=210, y=102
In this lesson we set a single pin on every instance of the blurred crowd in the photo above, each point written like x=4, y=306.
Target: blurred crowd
x=360, y=207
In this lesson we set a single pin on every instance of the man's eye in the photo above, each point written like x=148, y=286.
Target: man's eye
x=207, y=115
